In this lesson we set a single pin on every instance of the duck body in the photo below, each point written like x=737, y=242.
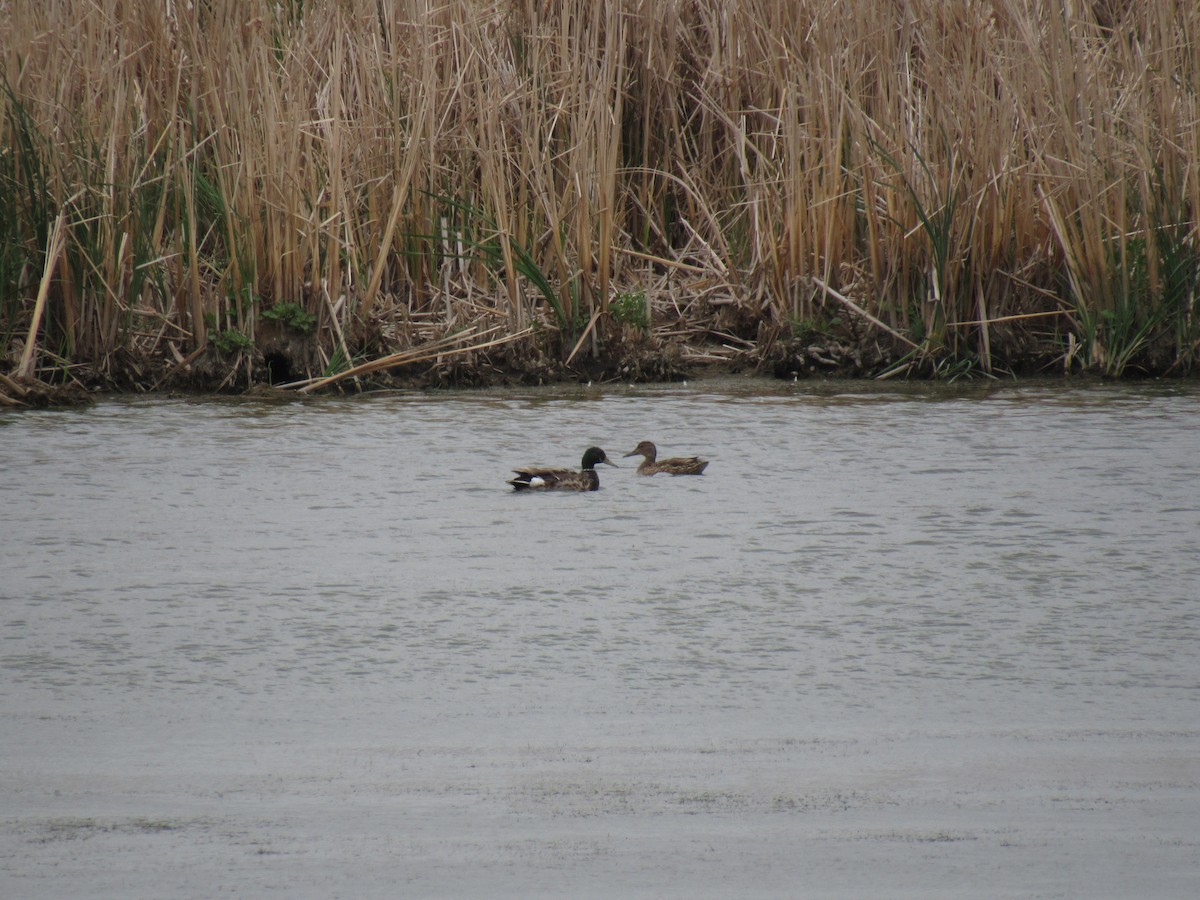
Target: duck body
x=536, y=478
x=676, y=465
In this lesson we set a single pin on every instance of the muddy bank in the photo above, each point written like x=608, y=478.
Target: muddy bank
x=522, y=360
x=31, y=393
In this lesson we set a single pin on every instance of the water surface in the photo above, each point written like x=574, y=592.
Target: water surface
x=904, y=640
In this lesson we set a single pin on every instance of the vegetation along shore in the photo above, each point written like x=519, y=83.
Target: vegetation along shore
x=325, y=194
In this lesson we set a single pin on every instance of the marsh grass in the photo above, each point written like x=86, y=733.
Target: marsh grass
x=965, y=187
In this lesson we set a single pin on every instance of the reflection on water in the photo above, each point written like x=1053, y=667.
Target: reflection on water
x=856, y=560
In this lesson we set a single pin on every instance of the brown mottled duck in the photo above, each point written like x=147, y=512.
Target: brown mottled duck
x=676, y=465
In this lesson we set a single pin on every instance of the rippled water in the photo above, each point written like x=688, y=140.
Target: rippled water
x=892, y=636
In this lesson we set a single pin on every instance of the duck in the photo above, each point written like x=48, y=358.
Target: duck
x=676, y=465
x=533, y=478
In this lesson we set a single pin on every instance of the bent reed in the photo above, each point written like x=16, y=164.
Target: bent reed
x=225, y=193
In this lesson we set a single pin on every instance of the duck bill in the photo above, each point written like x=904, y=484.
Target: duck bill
x=609, y=462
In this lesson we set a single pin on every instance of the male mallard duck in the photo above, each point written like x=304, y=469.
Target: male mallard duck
x=677, y=465
x=533, y=478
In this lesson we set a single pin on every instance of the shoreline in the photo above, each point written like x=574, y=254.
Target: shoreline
x=438, y=364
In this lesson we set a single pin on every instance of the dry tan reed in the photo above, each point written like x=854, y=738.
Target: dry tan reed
x=994, y=184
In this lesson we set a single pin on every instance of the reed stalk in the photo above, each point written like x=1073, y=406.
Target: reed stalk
x=965, y=187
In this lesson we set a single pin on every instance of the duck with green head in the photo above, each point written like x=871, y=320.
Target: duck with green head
x=533, y=478
x=676, y=465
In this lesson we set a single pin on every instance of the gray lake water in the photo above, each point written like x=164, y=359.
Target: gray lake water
x=900, y=641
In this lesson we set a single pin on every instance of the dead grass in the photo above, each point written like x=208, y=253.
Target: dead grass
x=963, y=187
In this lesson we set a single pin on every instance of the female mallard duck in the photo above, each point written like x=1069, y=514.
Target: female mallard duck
x=536, y=479
x=677, y=465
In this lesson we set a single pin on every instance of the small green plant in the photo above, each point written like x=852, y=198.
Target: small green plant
x=292, y=317
x=939, y=221
x=965, y=367
x=339, y=363
x=480, y=238
x=808, y=330
x=230, y=342
x=1118, y=326
x=631, y=308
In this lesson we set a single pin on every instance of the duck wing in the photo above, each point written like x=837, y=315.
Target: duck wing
x=539, y=477
x=683, y=465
